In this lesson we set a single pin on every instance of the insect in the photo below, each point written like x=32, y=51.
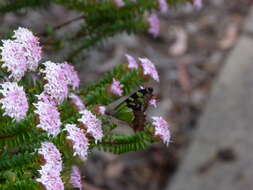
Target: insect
x=138, y=102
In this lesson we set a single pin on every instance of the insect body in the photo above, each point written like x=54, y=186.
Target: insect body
x=137, y=103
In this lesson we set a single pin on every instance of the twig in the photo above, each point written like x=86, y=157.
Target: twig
x=64, y=24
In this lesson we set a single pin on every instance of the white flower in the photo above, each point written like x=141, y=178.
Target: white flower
x=92, y=124
x=14, y=101
x=78, y=139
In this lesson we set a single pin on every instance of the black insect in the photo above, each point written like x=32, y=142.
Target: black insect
x=138, y=102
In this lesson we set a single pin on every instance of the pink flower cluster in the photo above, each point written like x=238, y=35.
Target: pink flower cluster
x=92, y=124
x=50, y=172
x=14, y=101
x=119, y=3
x=197, y=4
x=78, y=139
x=149, y=68
x=153, y=102
x=57, y=85
x=75, y=178
x=59, y=77
x=102, y=110
x=49, y=117
x=71, y=75
x=132, y=64
x=154, y=25
x=76, y=100
x=116, y=87
x=163, y=6
x=162, y=129
x=21, y=54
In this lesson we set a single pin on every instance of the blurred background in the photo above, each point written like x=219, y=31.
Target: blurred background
x=189, y=53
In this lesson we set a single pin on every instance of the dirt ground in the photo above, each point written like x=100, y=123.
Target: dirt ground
x=189, y=54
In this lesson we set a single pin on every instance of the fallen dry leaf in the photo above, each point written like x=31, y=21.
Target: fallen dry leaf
x=231, y=34
x=179, y=47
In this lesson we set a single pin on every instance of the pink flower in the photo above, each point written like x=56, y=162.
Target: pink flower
x=149, y=68
x=50, y=171
x=76, y=100
x=50, y=181
x=75, y=178
x=31, y=47
x=13, y=59
x=101, y=110
x=51, y=155
x=197, y=4
x=46, y=98
x=162, y=129
x=116, y=87
x=153, y=102
x=119, y=3
x=20, y=54
x=92, y=124
x=154, y=25
x=57, y=84
x=132, y=64
x=49, y=117
x=163, y=6
x=78, y=139
x=14, y=101
x=71, y=75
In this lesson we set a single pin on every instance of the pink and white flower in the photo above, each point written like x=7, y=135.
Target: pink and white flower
x=154, y=25
x=163, y=6
x=197, y=4
x=132, y=64
x=153, y=102
x=162, y=129
x=51, y=155
x=119, y=3
x=92, y=124
x=31, y=47
x=149, y=68
x=45, y=98
x=79, y=141
x=21, y=54
x=76, y=100
x=49, y=117
x=71, y=75
x=14, y=101
x=50, y=171
x=57, y=83
x=116, y=87
x=50, y=180
x=102, y=109
x=13, y=59
x=75, y=178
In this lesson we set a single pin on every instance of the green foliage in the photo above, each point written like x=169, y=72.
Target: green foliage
x=101, y=19
x=17, y=160
x=21, y=185
x=119, y=144
x=14, y=5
